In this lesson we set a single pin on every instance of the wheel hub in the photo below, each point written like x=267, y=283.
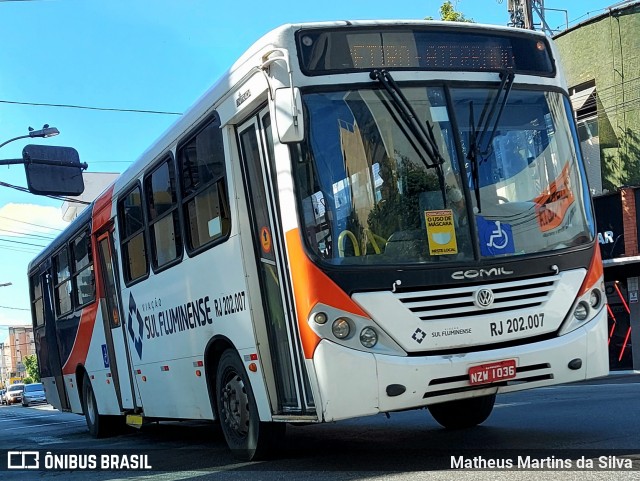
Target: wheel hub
x=235, y=405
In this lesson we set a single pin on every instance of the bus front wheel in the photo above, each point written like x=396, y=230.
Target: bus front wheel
x=463, y=413
x=247, y=437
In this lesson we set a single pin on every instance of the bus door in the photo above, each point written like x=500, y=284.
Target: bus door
x=256, y=149
x=46, y=339
x=118, y=358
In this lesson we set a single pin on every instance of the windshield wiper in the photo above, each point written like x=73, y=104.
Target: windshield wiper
x=472, y=156
x=476, y=148
x=424, y=135
x=506, y=82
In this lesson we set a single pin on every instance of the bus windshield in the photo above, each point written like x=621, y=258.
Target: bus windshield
x=508, y=182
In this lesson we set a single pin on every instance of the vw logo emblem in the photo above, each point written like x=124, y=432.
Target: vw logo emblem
x=483, y=298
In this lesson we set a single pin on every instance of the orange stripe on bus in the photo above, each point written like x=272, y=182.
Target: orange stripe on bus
x=83, y=338
x=102, y=209
x=595, y=272
x=312, y=286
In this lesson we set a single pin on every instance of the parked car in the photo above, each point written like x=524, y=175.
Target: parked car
x=33, y=393
x=14, y=393
x=2, y=399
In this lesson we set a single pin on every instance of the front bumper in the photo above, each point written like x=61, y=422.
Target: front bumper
x=29, y=400
x=354, y=383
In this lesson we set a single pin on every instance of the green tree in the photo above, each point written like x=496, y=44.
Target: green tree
x=31, y=365
x=448, y=13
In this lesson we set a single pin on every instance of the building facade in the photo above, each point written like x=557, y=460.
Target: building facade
x=18, y=345
x=601, y=59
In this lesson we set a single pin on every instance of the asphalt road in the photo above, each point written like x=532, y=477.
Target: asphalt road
x=551, y=433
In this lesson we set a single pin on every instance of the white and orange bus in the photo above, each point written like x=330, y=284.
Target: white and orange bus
x=358, y=218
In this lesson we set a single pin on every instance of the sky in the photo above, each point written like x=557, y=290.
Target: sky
x=134, y=66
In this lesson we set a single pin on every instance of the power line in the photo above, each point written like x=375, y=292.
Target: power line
x=25, y=243
x=25, y=250
x=29, y=223
x=57, y=197
x=26, y=234
x=15, y=308
x=86, y=107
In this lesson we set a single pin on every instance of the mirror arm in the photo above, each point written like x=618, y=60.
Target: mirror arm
x=266, y=62
x=11, y=161
x=63, y=163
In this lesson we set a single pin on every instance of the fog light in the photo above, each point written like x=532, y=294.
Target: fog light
x=341, y=328
x=320, y=318
x=368, y=337
x=594, y=298
x=582, y=311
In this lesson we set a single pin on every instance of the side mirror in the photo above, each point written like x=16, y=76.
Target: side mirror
x=53, y=170
x=289, y=118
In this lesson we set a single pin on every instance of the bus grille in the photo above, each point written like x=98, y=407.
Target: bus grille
x=457, y=302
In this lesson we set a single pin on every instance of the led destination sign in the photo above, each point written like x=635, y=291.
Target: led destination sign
x=327, y=51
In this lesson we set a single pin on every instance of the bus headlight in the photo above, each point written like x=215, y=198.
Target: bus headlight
x=352, y=331
x=588, y=305
x=581, y=312
x=368, y=337
x=341, y=328
x=595, y=298
x=320, y=318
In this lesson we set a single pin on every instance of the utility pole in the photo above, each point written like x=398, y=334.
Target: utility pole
x=521, y=14
x=3, y=382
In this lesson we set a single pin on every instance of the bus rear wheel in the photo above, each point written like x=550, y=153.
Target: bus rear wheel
x=247, y=437
x=463, y=413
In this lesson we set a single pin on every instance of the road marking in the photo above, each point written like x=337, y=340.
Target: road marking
x=7, y=419
x=44, y=440
x=504, y=405
x=186, y=474
x=563, y=386
x=40, y=425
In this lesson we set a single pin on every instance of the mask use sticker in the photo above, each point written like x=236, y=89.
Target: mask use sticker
x=441, y=232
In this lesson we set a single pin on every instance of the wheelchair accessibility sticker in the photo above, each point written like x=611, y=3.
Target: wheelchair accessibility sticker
x=495, y=237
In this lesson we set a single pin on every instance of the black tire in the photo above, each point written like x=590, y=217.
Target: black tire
x=247, y=437
x=96, y=422
x=464, y=413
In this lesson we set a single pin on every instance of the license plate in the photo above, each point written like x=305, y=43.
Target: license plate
x=492, y=372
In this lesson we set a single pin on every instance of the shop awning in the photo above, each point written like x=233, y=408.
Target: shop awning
x=579, y=99
x=620, y=261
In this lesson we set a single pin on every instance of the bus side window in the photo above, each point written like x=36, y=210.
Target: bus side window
x=162, y=212
x=205, y=201
x=82, y=267
x=36, y=299
x=132, y=235
x=62, y=282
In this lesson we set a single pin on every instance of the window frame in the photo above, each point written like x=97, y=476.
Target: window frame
x=147, y=192
x=186, y=199
x=57, y=282
x=75, y=300
x=124, y=240
x=34, y=299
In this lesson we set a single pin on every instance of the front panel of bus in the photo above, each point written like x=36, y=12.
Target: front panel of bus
x=444, y=193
